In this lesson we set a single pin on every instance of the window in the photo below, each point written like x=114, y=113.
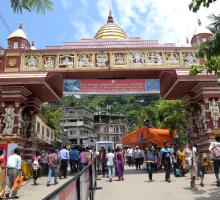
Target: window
x=72, y=120
x=42, y=131
x=15, y=45
x=106, y=129
x=81, y=132
x=48, y=132
x=72, y=132
x=38, y=127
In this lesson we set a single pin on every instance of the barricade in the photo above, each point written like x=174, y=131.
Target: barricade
x=80, y=187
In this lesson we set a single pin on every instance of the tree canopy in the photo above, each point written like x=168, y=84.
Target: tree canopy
x=196, y=4
x=40, y=6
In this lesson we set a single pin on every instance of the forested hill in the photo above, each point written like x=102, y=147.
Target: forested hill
x=154, y=111
x=133, y=107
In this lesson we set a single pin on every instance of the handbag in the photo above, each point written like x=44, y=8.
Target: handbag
x=18, y=182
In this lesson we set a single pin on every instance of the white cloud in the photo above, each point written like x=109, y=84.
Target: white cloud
x=166, y=20
x=66, y=3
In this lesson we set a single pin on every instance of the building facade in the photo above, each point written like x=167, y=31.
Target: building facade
x=44, y=133
x=109, y=127
x=78, y=122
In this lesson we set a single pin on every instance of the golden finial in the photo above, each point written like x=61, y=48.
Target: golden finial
x=110, y=18
x=199, y=22
x=20, y=25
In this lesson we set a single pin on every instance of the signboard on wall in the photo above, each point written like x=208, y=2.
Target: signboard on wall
x=118, y=86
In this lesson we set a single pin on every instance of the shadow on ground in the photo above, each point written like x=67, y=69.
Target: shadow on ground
x=131, y=171
x=214, y=194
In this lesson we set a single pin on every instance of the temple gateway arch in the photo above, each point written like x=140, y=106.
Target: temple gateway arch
x=30, y=76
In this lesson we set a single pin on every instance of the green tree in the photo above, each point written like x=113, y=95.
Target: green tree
x=53, y=114
x=40, y=6
x=169, y=114
x=196, y=4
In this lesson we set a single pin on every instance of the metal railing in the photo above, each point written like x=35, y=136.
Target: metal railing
x=80, y=187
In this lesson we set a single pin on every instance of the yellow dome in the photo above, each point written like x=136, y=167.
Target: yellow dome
x=18, y=33
x=110, y=30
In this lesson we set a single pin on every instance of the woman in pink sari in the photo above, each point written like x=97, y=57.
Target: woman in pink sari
x=119, y=159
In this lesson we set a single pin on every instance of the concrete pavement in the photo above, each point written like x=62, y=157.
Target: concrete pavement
x=29, y=191
x=136, y=187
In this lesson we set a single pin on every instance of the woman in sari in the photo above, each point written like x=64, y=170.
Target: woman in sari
x=2, y=174
x=181, y=160
x=119, y=160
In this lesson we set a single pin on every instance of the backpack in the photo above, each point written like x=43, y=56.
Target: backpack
x=150, y=156
x=216, y=151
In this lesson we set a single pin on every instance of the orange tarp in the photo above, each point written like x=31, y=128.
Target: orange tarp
x=143, y=135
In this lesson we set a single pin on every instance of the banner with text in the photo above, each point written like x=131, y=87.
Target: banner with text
x=117, y=86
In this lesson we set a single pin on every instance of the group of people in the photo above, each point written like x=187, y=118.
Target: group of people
x=111, y=163
x=58, y=160
x=55, y=162
x=176, y=159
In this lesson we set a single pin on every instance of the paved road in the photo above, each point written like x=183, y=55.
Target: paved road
x=136, y=187
x=29, y=191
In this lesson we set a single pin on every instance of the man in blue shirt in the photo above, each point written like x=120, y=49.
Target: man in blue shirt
x=166, y=155
x=74, y=160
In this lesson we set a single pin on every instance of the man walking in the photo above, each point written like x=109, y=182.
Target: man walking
x=214, y=148
x=110, y=164
x=64, y=157
x=52, y=166
x=13, y=170
x=129, y=155
x=166, y=160
x=137, y=157
x=74, y=160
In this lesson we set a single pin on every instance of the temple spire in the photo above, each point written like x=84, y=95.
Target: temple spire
x=20, y=25
x=199, y=22
x=110, y=18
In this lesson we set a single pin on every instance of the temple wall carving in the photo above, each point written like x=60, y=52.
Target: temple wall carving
x=50, y=61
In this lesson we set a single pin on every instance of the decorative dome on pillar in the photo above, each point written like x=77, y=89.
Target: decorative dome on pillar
x=110, y=30
x=18, y=39
x=201, y=34
x=19, y=33
x=201, y=29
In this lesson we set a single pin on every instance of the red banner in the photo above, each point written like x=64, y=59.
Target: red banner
x=117, y=86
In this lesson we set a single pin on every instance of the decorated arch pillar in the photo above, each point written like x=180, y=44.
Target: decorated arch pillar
x=203, y=110
x=17, y=111
x=21, y=95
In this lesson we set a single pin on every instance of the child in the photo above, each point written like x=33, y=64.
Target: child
x=201, y=163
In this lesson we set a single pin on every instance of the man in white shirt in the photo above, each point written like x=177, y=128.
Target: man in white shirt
x=214, y=148
x=137, y=157
x=64, y=157
x=129, y=154
x=110, y=163
x=13, y=170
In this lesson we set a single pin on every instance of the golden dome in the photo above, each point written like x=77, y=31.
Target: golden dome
x=110, y=30
x=18, y=33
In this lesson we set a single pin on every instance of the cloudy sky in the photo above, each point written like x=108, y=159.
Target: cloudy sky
x=71, y=20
